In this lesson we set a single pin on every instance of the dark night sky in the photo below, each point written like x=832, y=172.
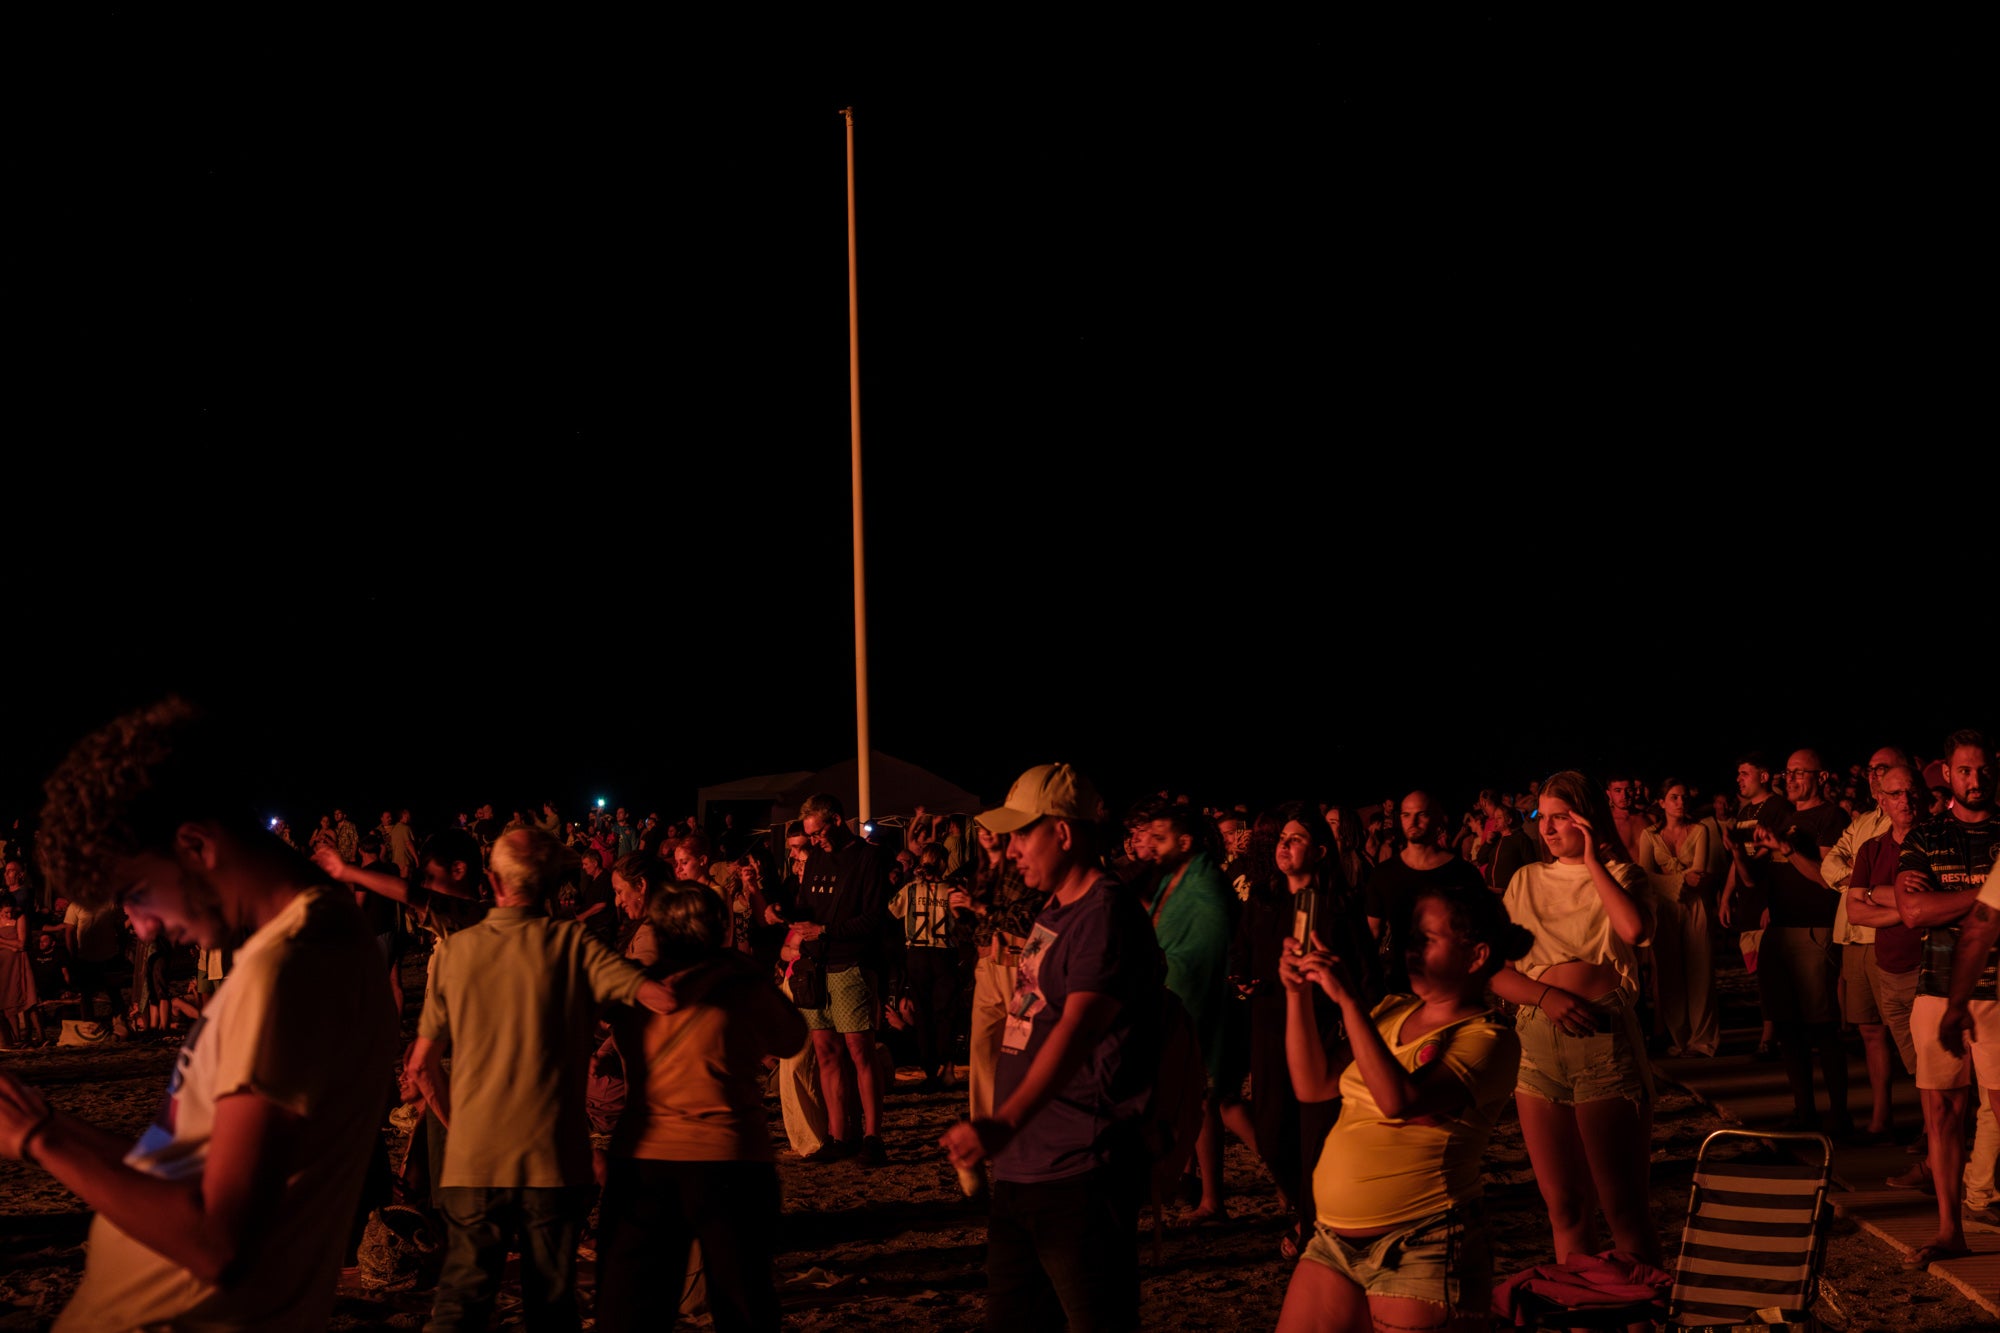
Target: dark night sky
x=1250, y=412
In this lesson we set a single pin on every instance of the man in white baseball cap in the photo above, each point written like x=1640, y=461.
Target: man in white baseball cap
x=1075, y=1072
x=1046, y=791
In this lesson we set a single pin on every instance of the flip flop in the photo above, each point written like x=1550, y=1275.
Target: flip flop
x=1927, y=1255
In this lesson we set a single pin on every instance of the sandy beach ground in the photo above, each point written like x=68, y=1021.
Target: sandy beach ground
x=899, y=1248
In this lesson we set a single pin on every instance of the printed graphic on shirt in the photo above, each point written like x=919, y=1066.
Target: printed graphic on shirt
x=1028, y=997
x=160, y=1134
x=1429, y=1051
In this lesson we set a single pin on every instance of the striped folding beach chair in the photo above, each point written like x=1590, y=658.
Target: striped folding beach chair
x=1754, y=1238
x=1750, y=1254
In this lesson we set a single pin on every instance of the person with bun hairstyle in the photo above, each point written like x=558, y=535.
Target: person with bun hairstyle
x=1586, y=1089
x=1401, y=1239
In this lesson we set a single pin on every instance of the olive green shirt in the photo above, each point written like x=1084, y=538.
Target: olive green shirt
x=516, y=997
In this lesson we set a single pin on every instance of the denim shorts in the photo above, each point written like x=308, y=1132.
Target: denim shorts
x=1607, y=1065
x=1444, y=1259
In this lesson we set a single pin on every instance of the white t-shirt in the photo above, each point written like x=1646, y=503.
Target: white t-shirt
x=97, y=939
x=303, y=1022
x=1559, y=905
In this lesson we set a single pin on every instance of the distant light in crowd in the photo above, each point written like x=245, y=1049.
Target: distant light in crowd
x=600, y=803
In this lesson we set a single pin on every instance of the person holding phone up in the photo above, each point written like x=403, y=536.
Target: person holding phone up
x=1401, y=1239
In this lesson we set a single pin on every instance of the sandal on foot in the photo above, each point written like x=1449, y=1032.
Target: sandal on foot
x=1927, y=1255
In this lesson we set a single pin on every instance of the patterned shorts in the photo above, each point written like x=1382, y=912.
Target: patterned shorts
x=850, y=1003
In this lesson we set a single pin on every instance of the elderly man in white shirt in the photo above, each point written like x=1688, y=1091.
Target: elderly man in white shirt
x=1860, y=986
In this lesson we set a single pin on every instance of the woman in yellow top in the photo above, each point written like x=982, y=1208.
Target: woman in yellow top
x=1586, y=1089
x=1401, y=1239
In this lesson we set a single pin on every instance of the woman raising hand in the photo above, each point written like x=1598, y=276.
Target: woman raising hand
x=1586, y=1088
x=1401, y=1239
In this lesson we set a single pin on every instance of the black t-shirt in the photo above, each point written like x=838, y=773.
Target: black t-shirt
x=1795, y=900
x=378, y=911
x=591, y=892
x=1743, y=825
x=847, y=891
x=1392, y=893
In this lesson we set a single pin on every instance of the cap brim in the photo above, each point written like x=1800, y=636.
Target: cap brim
x=1006, y=819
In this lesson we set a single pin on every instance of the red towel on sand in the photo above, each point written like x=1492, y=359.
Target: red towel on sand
x=1587, y=1280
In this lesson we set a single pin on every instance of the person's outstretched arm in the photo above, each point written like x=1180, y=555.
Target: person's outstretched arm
x=393, y=887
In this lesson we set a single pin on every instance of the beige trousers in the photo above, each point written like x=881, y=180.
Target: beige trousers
x=992, y=991
x=1684, y=969
x=799, y=1098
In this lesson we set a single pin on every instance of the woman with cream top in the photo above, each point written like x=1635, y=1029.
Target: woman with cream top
x=1585, y=1094
x=1676, y=856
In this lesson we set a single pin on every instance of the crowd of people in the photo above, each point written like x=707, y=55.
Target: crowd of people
x=1357, y=992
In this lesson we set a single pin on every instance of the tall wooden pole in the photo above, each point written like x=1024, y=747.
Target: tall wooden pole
x=854, y=428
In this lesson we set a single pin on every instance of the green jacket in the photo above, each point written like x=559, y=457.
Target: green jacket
x=1192, y=924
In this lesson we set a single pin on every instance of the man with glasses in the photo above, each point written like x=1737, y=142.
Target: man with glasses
x=1897, y=949
x=1799, y=962
x=1859, y=981
x=841, y=913
x=1944, y=867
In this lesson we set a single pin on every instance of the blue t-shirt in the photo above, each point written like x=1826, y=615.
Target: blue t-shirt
x=1101, y=943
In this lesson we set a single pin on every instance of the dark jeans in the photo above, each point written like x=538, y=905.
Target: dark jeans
x=652, y=1210
x=1065, y=1254
x=480, y=1224
x=933, y=977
